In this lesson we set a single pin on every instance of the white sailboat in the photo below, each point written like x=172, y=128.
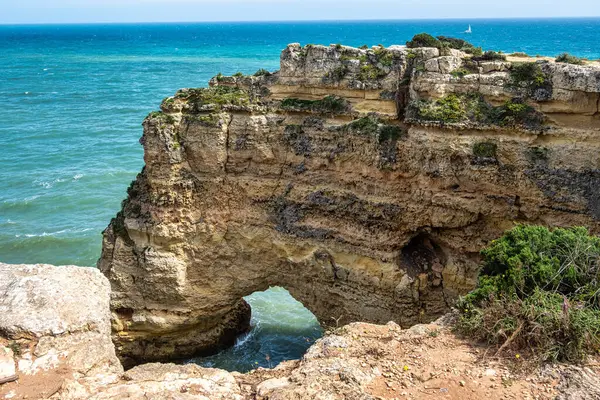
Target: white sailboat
x=469, y=30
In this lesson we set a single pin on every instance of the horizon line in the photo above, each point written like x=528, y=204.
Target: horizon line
x=293, y=21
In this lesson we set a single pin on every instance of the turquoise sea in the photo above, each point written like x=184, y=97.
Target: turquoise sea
x=72, y=99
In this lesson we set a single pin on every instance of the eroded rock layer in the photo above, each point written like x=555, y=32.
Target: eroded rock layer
x=365, y=181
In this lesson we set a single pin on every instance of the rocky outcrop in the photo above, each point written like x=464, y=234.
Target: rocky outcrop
x=365, y=181
x=54, y=326
x=54, y=336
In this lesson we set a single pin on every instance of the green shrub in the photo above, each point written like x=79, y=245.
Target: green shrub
x=370, y=72
x=364, y=47
x=473, y=108
x=384, y=56
x=538, y=290
x=333, y=104
x=423, y=40
x=455, y=43
x=262, y=72
x=220, y=77
x=217, y=96
x=363, y=126
x=238, y=75
x=569, y=59
x=490, y=56
x=520, y=54
x=373, y=126
x=516, y=112
x=446, y=110
x=164, y=118
x=475, y=51
x=460, y=44
x=529, y=80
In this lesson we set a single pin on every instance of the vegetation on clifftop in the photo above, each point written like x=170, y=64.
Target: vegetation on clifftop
x=443, y=42
x=490, y=56
x=217, y=96
x=569, y=59
x=161, y=116
x=538, y=292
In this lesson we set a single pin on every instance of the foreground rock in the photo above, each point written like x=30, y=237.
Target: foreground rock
x=325, y=178
x=56, y=321
x=54, y=326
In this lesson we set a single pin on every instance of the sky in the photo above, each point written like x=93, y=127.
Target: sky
x=82, y=11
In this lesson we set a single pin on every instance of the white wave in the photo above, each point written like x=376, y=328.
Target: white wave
x=32, y=198
x=57, y=233
x=77, y=177
x=241, y=340
x=44, y=184
x=49, y=184
x=44, y=234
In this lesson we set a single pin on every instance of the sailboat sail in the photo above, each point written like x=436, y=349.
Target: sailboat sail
x=469, y=30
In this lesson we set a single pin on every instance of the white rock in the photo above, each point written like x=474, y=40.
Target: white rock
x=67, y=309
x=7, y=364
x=271, y=385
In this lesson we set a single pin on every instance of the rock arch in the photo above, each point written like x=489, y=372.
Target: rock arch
x=291, y=179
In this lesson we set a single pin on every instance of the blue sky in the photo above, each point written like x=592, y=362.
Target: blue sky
x=61, y=11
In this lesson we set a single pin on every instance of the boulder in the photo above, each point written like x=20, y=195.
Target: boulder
x=57, y=317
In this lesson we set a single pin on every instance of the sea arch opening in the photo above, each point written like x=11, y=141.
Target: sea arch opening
x=281, y=329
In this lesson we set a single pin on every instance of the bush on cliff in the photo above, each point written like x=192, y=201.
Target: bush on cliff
x=460, y=44
x=538, y=292
x=217, y=96
x=569, y=59
x=490, y=56
x=423, y=40
x=528, y=80
x=443, y=42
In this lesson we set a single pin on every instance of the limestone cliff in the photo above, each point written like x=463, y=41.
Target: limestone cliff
x=365, y=181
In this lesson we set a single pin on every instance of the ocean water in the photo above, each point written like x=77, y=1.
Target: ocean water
x=72, y=99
